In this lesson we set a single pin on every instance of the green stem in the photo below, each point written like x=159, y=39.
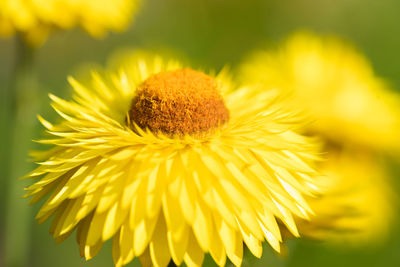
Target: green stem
x=22, y=105
x=171, y=264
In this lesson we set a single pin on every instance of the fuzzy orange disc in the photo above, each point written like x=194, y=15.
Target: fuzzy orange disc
x=179, y=102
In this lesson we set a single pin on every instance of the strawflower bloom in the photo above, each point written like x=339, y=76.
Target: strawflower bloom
x=355, y=115
x=35, y=19
x=335, y=84
x=172, y=163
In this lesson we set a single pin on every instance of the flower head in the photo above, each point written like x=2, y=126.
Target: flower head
x=36, y=19
x=355, y=115
x=170, y=164
x=336, y=85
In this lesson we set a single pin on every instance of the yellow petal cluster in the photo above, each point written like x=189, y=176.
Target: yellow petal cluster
x=354, y=113
x=357, y=205
x=163, y=198
x=35, y=19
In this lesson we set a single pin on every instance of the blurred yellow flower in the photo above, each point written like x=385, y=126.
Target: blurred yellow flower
x=354, y=114
x=35, y=19
x=335, y=85
x=357, y=205
x=172, y=163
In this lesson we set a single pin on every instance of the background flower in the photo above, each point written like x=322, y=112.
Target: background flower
x=355, y=114
x=35, y=19
x=336, y=86
x=358, y=204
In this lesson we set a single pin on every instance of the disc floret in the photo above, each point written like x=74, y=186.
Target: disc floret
x=179, y=102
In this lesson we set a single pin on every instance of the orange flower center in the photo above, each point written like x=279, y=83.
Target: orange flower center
x=179, y=102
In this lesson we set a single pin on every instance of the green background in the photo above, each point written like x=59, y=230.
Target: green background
x=212, y=34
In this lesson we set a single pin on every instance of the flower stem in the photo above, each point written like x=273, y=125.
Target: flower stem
x=171, y=264
x=22, y=104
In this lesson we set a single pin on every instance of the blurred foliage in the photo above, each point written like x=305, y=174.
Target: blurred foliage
x=213, y=33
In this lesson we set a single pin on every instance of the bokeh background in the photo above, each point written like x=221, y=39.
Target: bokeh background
x=212, y=34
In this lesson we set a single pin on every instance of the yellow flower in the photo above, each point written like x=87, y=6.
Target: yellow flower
x=336, y=85
x=35, y=19
x=172, y=163
x=357, y=205
x=354, y=114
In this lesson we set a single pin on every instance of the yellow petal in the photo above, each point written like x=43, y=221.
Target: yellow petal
x=126, y=243
x=91, y=251
x=178, y=248
x=159, y=252
x=231, y=241
x=202, y=226
x=252, y=243
x=143, y=233
x=187, y=200
x=174, y=218
x=194, y=255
